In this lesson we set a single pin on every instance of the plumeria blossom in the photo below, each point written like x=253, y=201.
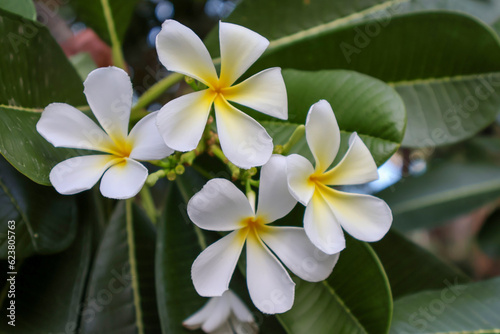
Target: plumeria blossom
x=329, y=210
x=226, y=314
x=220, y=206
x=182, y=121
x=109, y=94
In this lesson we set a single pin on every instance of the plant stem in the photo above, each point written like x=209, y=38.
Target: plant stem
x=155, y=91
x=296, y=136
x=116, y=47
x=148, y=204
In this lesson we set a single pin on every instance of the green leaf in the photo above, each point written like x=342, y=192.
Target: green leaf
x=457, y=308
x=91, y=12
x=489, y=235
x=444, y=192
x=356, y=298
x=35, y=72
x=440, y=62
x=121, y=293
x=46, y=222
x=24, y=8
x=360, y=103
x=49, y=289
x=83, y=63
x=402, y=261
x=177, y=248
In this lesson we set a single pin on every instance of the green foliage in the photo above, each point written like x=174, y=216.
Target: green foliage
x=464, y=308
x=24, y=8
x=489, y=235
x=46, y=222
x=121, y=290
x=445, y=191
x=35, y=72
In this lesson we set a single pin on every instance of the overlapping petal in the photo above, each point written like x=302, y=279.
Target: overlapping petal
x=365, y=217
x=240, y=48
x=275, y=200
x=295, y=250
x=243, y=140
x=80, y=173
x=181, y=50
x=264, y=92
x=322, y=226
x=220, y=313
x=213, y=268
x=239, y=309
x=181, y=121
x=219, y=206
x=320, y=122
x=298, y=170
x=109, y=94
x=196, y=320
x=269, y=285
x=147, y=144
x=124, y=179
x=356, y=167
x=65, y=126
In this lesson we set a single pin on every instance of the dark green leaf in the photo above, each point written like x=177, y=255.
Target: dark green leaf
x=444, y=192
x=91, y=12
x=456, y=308
x=489, y=235
x=444, y=64
x=356, y=298
x=411, y=268
x=362, y=104
x=46, y=222
x=24, y=8
x=121, y=295
x=177, y=247
x=34, y=72
x=49, y=289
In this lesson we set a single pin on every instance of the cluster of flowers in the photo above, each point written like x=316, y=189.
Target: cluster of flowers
x=310, y=252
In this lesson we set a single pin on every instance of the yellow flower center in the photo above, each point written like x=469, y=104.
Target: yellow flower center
x=253, y=224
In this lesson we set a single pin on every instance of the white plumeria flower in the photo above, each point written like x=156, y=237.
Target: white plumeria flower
x=365, y=217
x=220, y=206
x=109, y=94
x=182, y=121
x=226, y=314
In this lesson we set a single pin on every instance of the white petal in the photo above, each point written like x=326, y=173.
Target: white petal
x=123, y=180
x=356, y=167
x=275, y=200
x=80, y=173
x=147, y=144
x=322, y=227
x=365, y=217
x=243, y=140
x=213, y=268
x=198, y=318
x=65, y=126
x=109, y=94
x=181, y=121
x=225, y=328
x=239, y=309
x=322, y=134
x=292, y=246
x=219, y=206
x=270, y=287
x=298, y=170
x=220, y=315
x=181, y=50
x=264, y=92
x=239, y=48
x=243, y=327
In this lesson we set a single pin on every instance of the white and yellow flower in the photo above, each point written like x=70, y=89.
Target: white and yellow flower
x=109, y=94
x=328, y=210
x=220, y=206
x=181, y=121
x=226, y=314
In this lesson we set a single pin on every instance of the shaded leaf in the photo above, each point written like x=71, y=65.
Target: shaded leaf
x=489, y=235
x=457, y=308
x=46, y=222
x=121, y=293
